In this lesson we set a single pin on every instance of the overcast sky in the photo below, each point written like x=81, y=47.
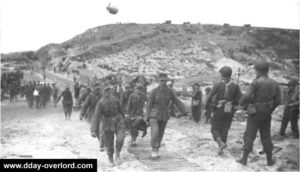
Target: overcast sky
x=31, y=24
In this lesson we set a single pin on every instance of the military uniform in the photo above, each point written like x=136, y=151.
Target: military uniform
x=226, y=95
x=125, y=97
x=43, y=96
x=157, y=112
x=264, y=93
x=135, y=111
x=28, y=92
x=196, y=104
x=291, y=110
x=89, y=106
x=109, y=116
x=67, y=102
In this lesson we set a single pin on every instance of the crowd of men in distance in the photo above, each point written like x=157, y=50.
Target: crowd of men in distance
x=11, y=84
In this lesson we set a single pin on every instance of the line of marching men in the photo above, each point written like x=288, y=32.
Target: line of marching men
x=111, y=113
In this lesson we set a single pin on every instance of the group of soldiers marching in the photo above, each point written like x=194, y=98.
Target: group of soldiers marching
x=112, y=115
x=112, y=111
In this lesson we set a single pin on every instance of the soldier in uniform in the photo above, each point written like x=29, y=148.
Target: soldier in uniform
x=227, y=95
x=67, y=102
x=262, y=97
x=196, y=103
x=90, y=104
x=54, y=93
x=76, y=91
x=43, y=95
x=291, y=110
x=135, y=112
x=109, y=116
x=157, y=112
x=83, y=97
x=28, y=92
x=125, y=96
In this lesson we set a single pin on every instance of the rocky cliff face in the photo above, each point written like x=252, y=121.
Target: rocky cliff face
x=191, y=51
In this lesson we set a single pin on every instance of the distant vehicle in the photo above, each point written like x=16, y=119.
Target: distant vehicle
x=112, y=9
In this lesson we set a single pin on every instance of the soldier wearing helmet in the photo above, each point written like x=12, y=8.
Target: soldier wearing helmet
x=222, y=99
x=110, y=118
x=261, y=98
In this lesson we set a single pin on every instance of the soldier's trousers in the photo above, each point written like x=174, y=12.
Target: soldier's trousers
x=30, y=101
x=109, y=136
x=37, y=102
x=134, y=129
x=67, y=109
x=264, y=127
x=290, y=116
x=157, y=132
x=196, y=113
x=100, y=137
x=43, y=102
x=220, y=124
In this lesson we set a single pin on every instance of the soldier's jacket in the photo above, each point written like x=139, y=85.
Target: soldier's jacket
x=83, y=97
x=264, y=93
x=109, y=112
x=136, y=104
x=293, y=99
x=196, y=98
x=90, y=103
x=218, y=94
x=158, y=103
x=28, y=91
x=125, y=98
x=67, y=97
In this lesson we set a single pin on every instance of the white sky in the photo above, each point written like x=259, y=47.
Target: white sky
x=31, y=24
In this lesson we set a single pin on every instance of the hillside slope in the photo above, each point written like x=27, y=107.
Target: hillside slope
x=182, y=51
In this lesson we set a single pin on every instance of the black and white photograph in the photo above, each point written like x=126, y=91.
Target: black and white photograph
x=149, y=85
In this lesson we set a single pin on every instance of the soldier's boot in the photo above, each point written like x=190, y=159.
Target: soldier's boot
x=243, y=161
x=270, y=160
x=111, y=161
x=154, y=153
x=117, y=158
x=222, y=146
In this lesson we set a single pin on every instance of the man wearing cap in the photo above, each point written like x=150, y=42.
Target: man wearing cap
x=157, y=112
x=261, y=98
x=135, y=111
x=196, y=103
x=109, y=116
x=125, y=96
x=291, y=110
x=226, y=95
x=67, y=102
